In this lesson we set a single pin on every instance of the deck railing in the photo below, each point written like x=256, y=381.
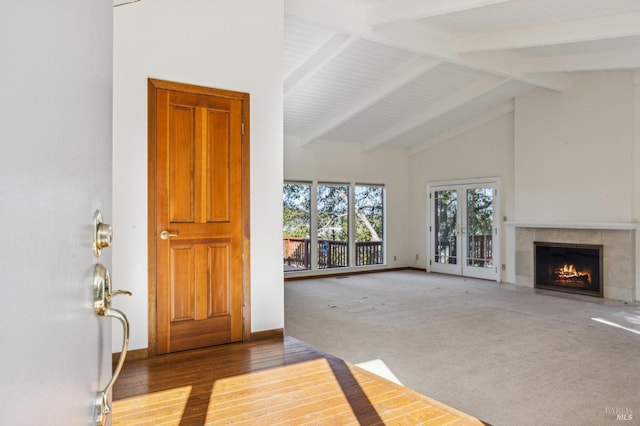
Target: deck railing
x=296, y=253
x=369, y=253
x=479, y=251
x=331, y=254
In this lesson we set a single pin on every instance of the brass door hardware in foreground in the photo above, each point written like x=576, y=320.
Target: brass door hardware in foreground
x=102, y=296
x=102, y=235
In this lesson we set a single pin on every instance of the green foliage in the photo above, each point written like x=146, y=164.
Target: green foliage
x=333, y=212
x=296, y=210
x=369, y=207
x=480, y=211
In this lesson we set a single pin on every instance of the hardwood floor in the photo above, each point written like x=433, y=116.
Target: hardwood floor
x=270, y=382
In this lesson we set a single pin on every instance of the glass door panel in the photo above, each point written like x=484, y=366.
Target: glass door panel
x=446, y=250
x=478, y=231
x=462, y=230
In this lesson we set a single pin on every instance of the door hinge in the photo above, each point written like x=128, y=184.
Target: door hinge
x=496, y=269
x=242, y=130
x=429, y=195
x=496, y=231
x=430, y=262
x=429, y=228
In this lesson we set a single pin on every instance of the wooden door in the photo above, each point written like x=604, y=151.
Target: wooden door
x=200, y=225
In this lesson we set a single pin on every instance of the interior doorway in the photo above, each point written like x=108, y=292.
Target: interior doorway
x=464, y=227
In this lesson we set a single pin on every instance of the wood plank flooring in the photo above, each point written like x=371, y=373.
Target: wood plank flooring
x=270, y=382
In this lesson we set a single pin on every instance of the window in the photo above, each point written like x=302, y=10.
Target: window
x=369, y=209
x=296, y=226
x=332, y=225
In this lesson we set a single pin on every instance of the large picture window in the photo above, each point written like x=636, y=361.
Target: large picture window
x=332, y=225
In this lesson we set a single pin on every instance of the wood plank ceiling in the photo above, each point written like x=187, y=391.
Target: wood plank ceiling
x=414, y=73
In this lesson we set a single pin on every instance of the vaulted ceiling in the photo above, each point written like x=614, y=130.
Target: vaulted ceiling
x=415, y=73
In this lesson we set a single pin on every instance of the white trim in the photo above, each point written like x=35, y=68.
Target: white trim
x=621, y=226
x=468, y=181
x=117, y=3
x=313, y=234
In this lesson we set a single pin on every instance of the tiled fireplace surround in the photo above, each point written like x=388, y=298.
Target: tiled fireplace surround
x=618, y=252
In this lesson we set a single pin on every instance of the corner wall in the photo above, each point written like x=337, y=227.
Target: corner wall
x=233, y=45
x=486, y=151
x=330, y=161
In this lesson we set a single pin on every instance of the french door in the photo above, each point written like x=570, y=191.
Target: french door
x=463, y=231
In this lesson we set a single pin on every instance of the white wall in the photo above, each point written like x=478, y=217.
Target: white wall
x=486, y=151
x=575, y=151
x=346, y=162
x=233, y=45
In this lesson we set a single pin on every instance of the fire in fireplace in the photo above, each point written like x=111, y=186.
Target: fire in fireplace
x=574, y=268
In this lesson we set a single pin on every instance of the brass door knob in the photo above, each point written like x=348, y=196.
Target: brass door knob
x=165, y=235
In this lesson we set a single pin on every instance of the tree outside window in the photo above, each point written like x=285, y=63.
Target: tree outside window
x=333, y=225
x=369, y=221
x=333, y=207
x=296, y=226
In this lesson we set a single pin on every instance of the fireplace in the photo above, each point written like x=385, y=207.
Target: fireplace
x=573, y=268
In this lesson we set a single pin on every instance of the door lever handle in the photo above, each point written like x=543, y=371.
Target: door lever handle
x=102, y=296
x=165, y=235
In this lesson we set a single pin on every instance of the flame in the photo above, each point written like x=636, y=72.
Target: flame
x=569, y=271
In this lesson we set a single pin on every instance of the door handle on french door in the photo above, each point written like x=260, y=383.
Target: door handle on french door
x=165, y=235
x=102, y=296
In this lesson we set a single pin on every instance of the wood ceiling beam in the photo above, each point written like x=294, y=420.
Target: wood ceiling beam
x=412, y=37
x=474, y=90
x=410, y=10
x=321, y=57
x=477, y=121
x=580, y=30
x=411, y=71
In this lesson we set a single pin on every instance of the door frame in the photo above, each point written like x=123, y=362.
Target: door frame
x=153, y=86
x=492, y=181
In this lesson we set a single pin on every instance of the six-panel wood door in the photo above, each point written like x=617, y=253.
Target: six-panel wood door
x=198, y=233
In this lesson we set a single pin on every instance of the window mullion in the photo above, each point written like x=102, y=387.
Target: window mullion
x=314, y=226
x=352, y=224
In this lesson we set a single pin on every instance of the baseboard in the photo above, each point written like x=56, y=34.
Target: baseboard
x=137, y=354
x=131, y=355
x=277, y=333
x=346, y=273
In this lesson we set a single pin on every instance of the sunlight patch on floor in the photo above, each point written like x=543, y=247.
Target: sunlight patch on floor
x=613, y=324
x=377, y=366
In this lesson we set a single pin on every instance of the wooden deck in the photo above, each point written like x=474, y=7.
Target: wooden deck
x=270, y=382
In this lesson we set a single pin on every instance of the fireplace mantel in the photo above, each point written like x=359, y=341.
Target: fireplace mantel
x=619, y=226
